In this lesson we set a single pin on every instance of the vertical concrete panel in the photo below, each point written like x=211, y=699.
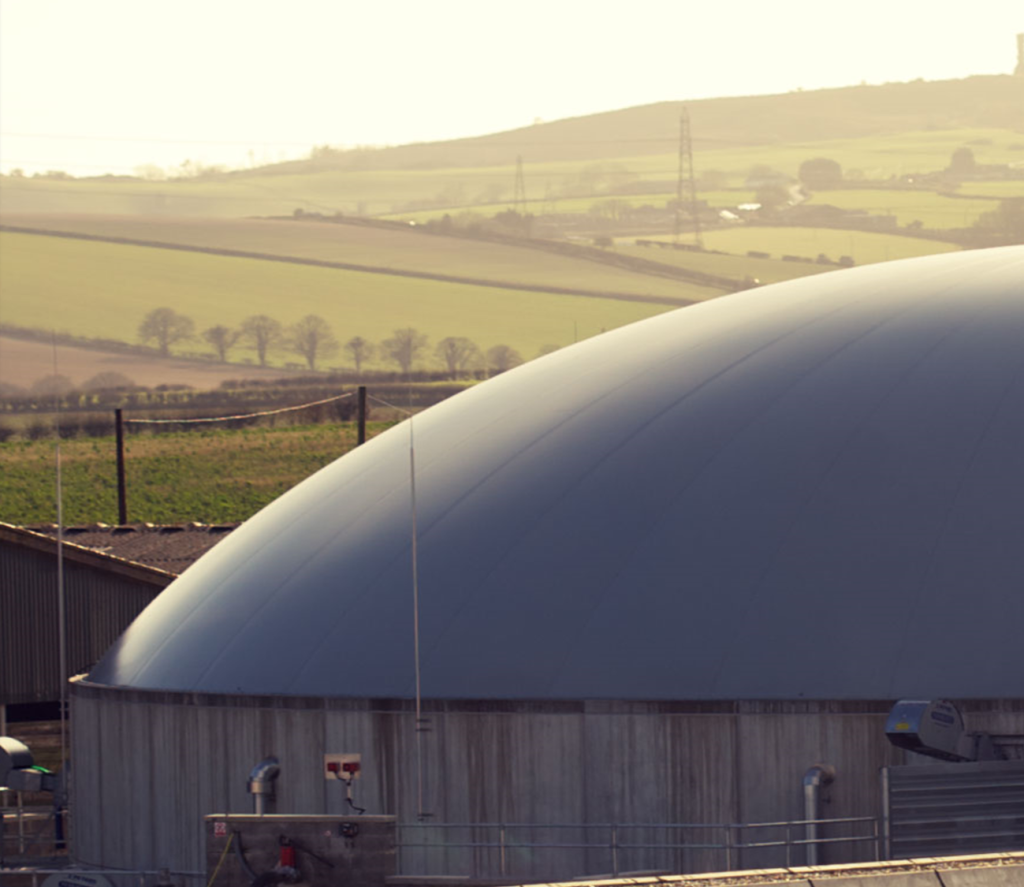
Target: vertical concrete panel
x=247, y=740
x=703, y=783
x=348, y=732
x=776, y=750
x=177, y=775
x=298, y=743
x=123, y=764
x=652, y=767
x=215, y=751
x=86, y=814
x=858, y=745
x=508, y=767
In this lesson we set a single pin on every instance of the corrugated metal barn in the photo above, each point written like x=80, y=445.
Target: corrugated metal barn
x=103, y=594
x=660, y=574
x=110, y=575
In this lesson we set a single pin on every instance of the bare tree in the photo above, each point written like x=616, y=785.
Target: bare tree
x=312, y=338
x=548, y=349
x=166, y=327
x=361, y=351
x=404, y=347
x=457, y=353
x=502, y=357
x=263, y=334
x=222, y=339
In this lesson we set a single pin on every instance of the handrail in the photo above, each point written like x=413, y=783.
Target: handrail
x=732, y=838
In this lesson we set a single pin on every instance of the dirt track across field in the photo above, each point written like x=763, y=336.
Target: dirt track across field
x=23, y=362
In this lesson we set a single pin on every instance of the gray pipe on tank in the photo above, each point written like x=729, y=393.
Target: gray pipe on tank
x=817, y=776
x=261, y=784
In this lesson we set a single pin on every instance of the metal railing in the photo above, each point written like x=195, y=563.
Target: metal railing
x=500, y=849
x=25, y=827
x=142, y=876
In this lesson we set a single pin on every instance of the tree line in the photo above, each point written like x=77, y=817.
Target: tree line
x=314, y=341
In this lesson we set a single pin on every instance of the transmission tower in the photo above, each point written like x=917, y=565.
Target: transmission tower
x=519, y=194
x=686, y=174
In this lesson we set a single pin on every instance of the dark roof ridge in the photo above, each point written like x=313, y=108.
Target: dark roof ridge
x=83, y=554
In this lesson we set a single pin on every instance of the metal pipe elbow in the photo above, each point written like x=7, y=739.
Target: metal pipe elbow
x=819, y=775
x=261, y=779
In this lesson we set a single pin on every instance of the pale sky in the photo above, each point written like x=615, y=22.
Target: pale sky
x=93, y=86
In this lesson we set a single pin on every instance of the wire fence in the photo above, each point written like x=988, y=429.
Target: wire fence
x=195, y=420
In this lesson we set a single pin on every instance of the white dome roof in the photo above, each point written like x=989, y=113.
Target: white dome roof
x=814, y=489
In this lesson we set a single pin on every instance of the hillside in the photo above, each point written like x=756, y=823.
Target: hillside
x=852, y=112
x=880, y=131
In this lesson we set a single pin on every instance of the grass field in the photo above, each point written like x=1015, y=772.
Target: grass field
x=104, y=290
x=739, y=267
x=933, y=210
x=212, y=476
x=865, y=247
x=395, y=247
x=1001, y=190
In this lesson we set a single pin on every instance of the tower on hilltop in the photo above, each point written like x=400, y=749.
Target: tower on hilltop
x=1019, y=70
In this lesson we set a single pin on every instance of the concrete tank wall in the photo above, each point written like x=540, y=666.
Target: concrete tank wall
x=149, y=765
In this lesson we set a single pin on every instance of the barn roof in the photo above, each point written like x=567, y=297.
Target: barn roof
x=170, y=547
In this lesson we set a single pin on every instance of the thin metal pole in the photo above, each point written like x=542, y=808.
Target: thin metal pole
x=677, y=222
x=62, y=663
x=21, y=823
x=886, y=841
x=416, y=622
x=361, y=439
x=122, y=492
x=694, y=213
x=615, y=850
x=501, y=839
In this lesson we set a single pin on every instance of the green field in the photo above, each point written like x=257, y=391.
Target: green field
x=738, y=267
x=104, y=290
x=1001, y=190
x=933, y=210
x=211, y=476
x=865, y=247
x=393, y=247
